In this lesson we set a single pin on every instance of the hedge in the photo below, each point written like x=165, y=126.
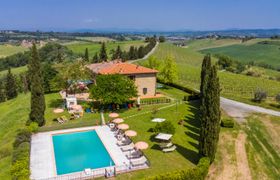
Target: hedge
x=227, y=122
x=21, y=154
x=197, y=173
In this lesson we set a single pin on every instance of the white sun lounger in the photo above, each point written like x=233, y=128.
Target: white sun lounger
x=166, y=145
x=128, y=147
x=138, y=161
x=134, y=154
x=169, y=149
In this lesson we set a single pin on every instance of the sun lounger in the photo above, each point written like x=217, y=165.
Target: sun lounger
x=123, y=142
x=134, y=154
x=169, y=149
x=138, y=161
x=64, y=118
x=127, y=147
x=60, y=120
x=166, y=145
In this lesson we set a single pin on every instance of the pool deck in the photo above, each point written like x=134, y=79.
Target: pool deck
x=42, y=159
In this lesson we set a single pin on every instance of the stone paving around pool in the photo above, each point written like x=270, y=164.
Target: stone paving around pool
x=42, y=159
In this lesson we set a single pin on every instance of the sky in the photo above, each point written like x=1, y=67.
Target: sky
x=162, y=15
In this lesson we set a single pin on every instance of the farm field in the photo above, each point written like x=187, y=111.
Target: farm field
x=7, y=50
x=94, y=47
x=258, y=52
x=186, y=155
x=200, y=44
x=96, y=39
x=15, y=71
x=234, y=86
x=255, y=144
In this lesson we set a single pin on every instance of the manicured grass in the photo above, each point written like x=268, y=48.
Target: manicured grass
x=95, y=47
x=260, y=53
x=234, y=86
x=7, y=50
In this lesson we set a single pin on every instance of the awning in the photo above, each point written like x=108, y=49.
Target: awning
x=163, y=136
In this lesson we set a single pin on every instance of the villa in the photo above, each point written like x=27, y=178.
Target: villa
x=144, y=78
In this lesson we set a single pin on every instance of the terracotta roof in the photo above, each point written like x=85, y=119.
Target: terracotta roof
x=116, y=67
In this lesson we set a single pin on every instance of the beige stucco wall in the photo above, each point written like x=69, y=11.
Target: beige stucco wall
x=146, y=81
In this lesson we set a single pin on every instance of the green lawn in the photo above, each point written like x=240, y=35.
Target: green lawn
x=234, y=86
x=7, y=50
x=95, y=47
x=260, y=53
x=15, y=71
x=14, y=114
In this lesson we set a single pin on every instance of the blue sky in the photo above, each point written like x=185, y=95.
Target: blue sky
x=139, y=14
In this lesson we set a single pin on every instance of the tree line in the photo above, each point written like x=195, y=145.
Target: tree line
x=132, y=54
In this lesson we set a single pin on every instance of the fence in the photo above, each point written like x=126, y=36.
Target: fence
x=155, y=101
x=95, y=173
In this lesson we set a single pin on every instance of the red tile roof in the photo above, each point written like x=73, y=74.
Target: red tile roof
x=116, y=67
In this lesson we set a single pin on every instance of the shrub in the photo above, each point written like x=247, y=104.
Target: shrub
x=228, y=123
x=260, y=95
x=197, y=173
x=20, y=169
x=24, y=135
x=165, y=127
x=22, y=151
x=33, y=127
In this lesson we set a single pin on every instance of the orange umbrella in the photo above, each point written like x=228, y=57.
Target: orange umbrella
x=123, y=126
x=130, y=133
x=118, y=120
x=141, y=145
x=113, y=115
x=77, y=107
x=58, y=110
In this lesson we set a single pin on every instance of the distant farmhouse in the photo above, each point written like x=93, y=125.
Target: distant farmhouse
x=144, y=78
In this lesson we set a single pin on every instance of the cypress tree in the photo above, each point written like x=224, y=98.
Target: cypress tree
x=2, y=92
x=210, y=110
x=103, y=54
x=37, y=90
x=11, y=86
x=95, y=58
x=118, y=53
x=86, y=57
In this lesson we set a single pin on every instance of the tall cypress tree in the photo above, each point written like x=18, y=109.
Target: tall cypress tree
x=95, y=58
x=210, y=110
x=86, y=56
x=118, y=53
x=2, y=92
x=103, y=54
x=11, y=86
x=37, y=90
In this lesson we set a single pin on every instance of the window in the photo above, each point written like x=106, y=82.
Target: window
x=145, y=90
x=132, y=77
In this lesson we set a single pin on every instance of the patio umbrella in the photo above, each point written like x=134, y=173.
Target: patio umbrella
x=118, y=120
x=123, y=126
x=77, y=107
x=130, y=133
x=113, y=115
x=58, y=110
x=141, y=145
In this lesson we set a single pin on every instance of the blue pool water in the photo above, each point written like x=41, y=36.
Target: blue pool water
x=80, y=150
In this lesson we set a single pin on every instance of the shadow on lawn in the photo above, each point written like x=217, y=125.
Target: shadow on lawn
x=189, y=154
x=55, y=103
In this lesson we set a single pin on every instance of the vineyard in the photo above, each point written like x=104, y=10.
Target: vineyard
x=234, y=86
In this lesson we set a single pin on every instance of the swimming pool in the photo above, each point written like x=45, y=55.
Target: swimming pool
x=77, y=151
